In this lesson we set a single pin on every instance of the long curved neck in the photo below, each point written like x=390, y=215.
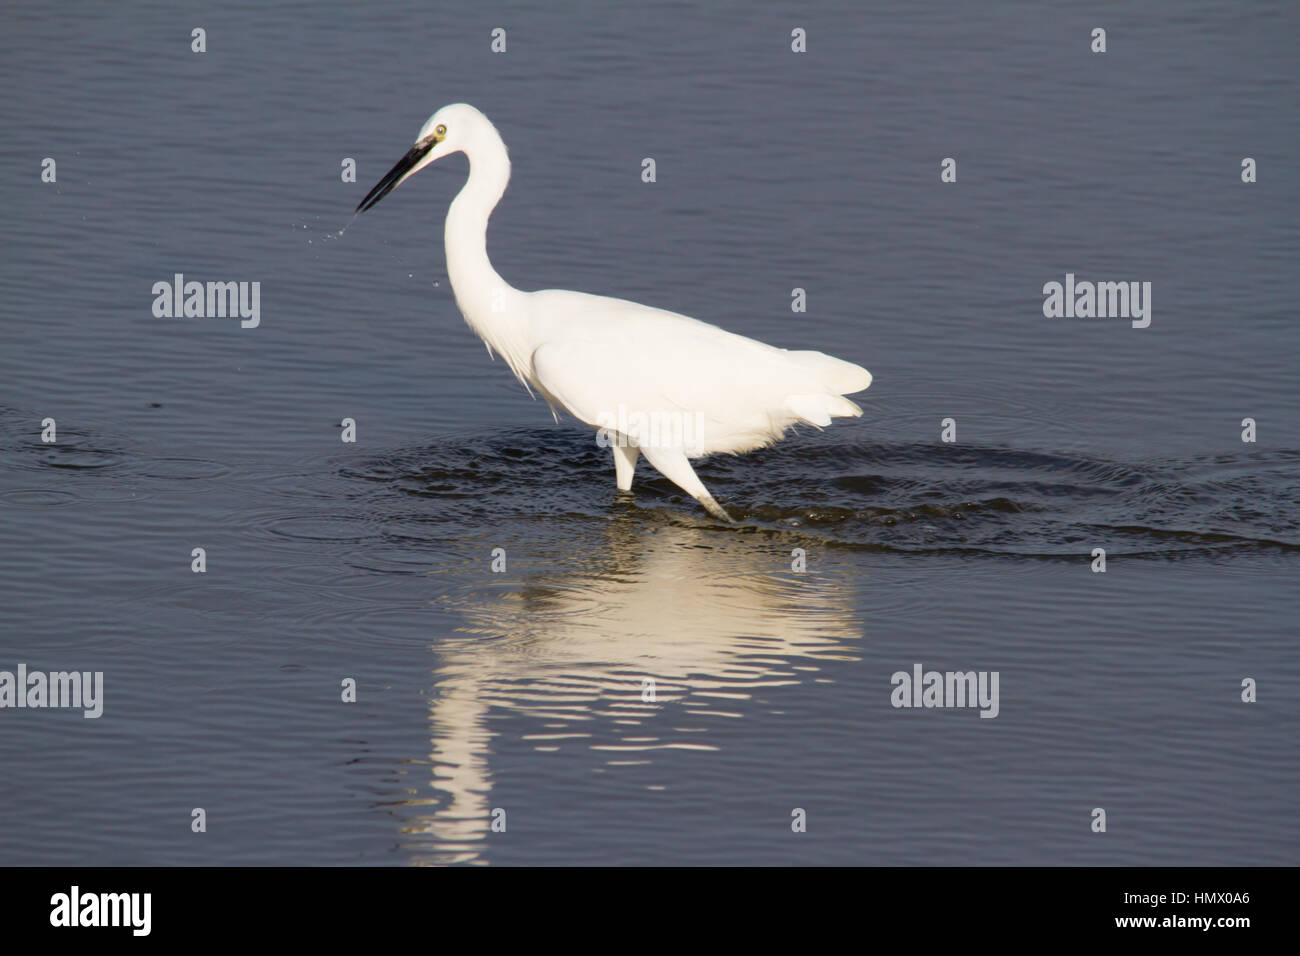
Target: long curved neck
x=490, y=304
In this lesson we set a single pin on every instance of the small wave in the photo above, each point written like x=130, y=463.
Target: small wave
x=889, y=497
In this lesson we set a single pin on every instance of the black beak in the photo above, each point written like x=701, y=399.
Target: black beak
x=394, y=175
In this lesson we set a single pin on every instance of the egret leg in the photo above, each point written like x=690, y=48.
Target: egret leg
x=673, y=464
x=625, y=457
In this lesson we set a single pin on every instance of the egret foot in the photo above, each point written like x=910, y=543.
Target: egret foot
x=673, y=464
x=625, y=457
x=712, y=507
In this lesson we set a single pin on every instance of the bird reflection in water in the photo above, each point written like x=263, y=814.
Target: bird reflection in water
x=712, y=620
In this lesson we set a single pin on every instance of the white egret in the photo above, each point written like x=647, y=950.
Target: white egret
x=650, y=381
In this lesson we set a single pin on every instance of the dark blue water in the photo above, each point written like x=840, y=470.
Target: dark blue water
x=522, y=690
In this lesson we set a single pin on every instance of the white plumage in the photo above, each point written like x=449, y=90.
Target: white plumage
x=656, y=383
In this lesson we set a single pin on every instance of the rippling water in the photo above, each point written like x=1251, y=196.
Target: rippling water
x=524, y=688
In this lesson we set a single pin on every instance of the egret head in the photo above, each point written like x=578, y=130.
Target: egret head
x=450, y=130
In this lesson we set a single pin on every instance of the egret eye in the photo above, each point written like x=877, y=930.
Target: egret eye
x=441, y=130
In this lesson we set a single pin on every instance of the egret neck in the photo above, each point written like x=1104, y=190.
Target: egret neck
x=494, y=309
